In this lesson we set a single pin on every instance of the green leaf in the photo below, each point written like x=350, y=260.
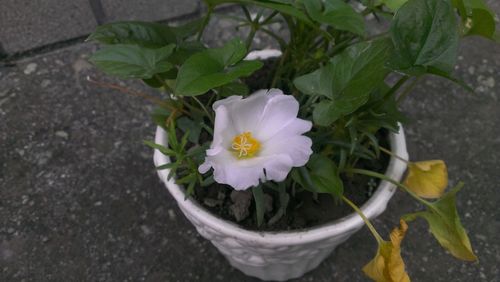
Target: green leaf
x=131, y=61
x=258, y=196
x=337, y=14
x=194, y=128
x=326, y=112
x=184, y=50
x=158, y=81
x=446, y=227
x=319, y=82
x=284, y=199
x=233, y=88
x=347, y=81
x=381, y=111
x=478, y=18
x=284, y=7
x=303, y=178
x=160, y=116
x=146, y=34
x=213, y=68
x=164, y=150
x=152, y=35
x=325, y=176
x=393, y=5
x=167, y=166
x=425, y=34
x=187, y=30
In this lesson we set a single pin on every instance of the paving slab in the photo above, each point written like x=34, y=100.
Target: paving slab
x=150, y=10
x=27, y=24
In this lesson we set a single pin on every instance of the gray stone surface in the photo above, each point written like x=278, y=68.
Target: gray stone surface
x=80, y=200
x=152, y=10
x=27, y=24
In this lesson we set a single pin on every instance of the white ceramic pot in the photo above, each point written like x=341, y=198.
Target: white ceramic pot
x=280, y=255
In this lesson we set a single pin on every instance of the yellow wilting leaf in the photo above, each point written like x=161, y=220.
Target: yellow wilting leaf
x=446, y=227
x=427, y=179
x=388, y=266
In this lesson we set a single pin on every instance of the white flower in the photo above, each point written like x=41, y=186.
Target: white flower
x=257, y=138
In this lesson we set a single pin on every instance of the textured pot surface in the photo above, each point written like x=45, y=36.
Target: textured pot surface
x=280, y=255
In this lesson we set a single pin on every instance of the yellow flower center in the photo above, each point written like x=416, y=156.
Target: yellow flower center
x=245, y=146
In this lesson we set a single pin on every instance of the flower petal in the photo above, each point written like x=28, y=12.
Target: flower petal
x=277, y=167
x=243, y=174
x=298, y=147
x=278, y=113
x=224, y=129
x=244, y=113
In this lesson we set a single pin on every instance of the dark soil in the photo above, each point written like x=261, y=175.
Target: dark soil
x=304, y=209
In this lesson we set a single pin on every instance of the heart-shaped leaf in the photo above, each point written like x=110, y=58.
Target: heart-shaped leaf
x=446, y=227
x=213, y=68
x=478, y=18
x=319, y=82
x=347, y=81
x=425, y=34
x=324, y=176
x=337, y=14
x=284, y=7
x=146, y=34
x=132, y=61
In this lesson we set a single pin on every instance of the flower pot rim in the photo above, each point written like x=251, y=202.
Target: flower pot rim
x=381, y=197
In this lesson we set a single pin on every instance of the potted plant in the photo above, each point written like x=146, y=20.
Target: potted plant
x=267, y=176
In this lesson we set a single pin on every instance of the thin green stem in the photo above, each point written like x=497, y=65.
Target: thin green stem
x=338, y=47
x=392, y=154
x=204, y=23
x=388, y=179
x=408, y=89
x=247, y=13
x=204, y=109
x=396, y=86
x=251, y=35
x=278, y=70
x=163, y=83
x=365, y=219
x=269, y=18
x=280, y=40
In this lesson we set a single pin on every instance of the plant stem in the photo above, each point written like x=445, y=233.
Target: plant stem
x=269, y=18
x=337, y=47
x=280, y=40
x=278, y=70
x=204, y=23
x=204, y=109
x=250, y=37
x=247, y=13
x=388, y=179
x=162, y=81
x=408, y=89
x=365, y=219
x=392, y=154
x=396, y=86
x=150, y=98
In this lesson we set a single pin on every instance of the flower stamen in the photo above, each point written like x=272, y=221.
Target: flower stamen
x=245, y=146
